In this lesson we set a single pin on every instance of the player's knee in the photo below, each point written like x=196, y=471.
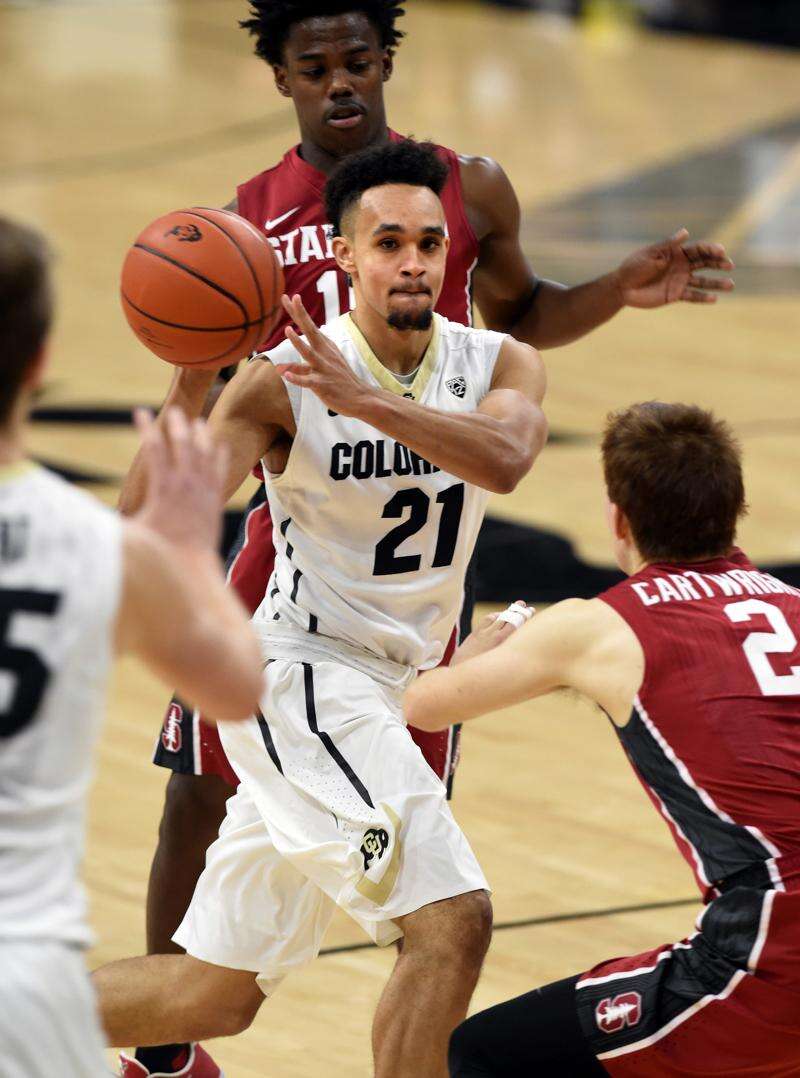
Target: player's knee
x=456, y=932
x=224, y=1002
x=235, y=1016
x=466, y=1056
x=474, y=930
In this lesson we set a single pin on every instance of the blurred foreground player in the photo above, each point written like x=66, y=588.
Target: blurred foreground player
x=696, y=661
x=379, y=505
x=76, y=586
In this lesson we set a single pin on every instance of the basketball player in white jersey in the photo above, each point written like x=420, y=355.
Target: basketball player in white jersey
x=76, y=585
x=376, y=509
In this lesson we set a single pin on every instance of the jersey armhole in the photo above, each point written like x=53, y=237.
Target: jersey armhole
x=644, y=683
x=295, y=395
x=455, y=172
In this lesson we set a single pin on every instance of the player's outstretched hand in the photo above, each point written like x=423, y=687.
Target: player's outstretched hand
x=185, y=479
x=325, y=370
x=493, y=630
x=670, y=271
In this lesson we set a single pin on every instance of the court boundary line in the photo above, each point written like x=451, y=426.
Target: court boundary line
x=548, y=919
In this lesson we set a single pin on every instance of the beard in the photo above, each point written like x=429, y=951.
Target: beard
x=404, y=320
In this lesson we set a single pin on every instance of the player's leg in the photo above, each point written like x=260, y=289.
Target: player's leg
x=444, y=944
x=253, y=918
x=537, y=1033
x=194, y=807
x=155, y=999
x=348, y=800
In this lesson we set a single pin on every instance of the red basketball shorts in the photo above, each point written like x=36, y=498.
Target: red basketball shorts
x=724, y=1002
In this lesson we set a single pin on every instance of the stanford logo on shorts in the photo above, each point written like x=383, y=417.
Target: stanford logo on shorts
x=172, y=735
x=615, y=1014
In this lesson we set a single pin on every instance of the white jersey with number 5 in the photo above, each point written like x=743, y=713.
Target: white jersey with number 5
x=60, y=568
x=373, y=542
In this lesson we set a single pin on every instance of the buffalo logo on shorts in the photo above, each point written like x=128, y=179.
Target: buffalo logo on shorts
x=457, y=386
x=172, y=734
x=614, y=1014
x=185, y=233
x=376, y=839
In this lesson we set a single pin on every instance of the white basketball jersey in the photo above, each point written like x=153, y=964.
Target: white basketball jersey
x=372, y=542
x=60, y=568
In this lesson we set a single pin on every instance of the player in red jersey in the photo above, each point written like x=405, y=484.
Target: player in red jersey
x=333, y=58
x=696, y=661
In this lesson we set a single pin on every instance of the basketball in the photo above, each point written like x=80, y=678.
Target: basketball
x=201, y=288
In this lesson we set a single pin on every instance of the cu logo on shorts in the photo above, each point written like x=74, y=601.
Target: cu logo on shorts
x=376, y=839
x=615, y=1014
x=172, y=735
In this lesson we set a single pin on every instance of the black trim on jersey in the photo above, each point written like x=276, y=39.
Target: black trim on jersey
x=722, y=847
x=274, y=592
x=295, y=584
x=312, y=623
x=311, y=715
x=269, y=744
x=289, y=547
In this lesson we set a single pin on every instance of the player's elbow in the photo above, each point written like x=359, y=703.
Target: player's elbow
x=421, y=715
x=520, y=458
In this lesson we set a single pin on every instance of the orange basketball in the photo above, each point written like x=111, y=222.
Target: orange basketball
x=201, y=288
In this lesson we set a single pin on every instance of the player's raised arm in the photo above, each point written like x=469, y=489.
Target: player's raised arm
x=577, y=644
x=190, y=391
x=492, y=447
x=546, y=314
x=175, y=612
x=252, y=413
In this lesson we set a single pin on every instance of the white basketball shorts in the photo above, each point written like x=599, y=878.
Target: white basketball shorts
x=336, y=806
x=48, y=1015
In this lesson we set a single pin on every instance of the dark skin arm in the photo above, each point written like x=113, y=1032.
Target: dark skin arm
x=513, y=300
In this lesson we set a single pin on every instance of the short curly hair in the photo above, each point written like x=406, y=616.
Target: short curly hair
x=271, y=21
x=414, y=163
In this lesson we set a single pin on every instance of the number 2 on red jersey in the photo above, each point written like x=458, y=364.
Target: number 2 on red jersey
x=759, y=645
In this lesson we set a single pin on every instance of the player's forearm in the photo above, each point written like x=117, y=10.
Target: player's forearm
x=474, y=447
x=189, y=391
x=559, y=315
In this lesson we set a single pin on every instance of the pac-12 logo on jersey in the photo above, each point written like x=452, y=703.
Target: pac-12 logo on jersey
x=172, y=734
x=615, y=1014
x=457, y=386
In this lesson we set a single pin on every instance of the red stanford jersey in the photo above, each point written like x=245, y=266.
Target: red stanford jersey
x=715, y=731
x=287, y=202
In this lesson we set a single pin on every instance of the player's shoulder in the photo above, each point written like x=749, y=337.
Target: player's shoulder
x=58, y=500
x=488, y=193
x=460, y=338
x=61, y=521
x=592, y=626
x=480, y=174
x=267, y=176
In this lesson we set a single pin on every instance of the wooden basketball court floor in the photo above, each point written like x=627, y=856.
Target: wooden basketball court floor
x=111, y=113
